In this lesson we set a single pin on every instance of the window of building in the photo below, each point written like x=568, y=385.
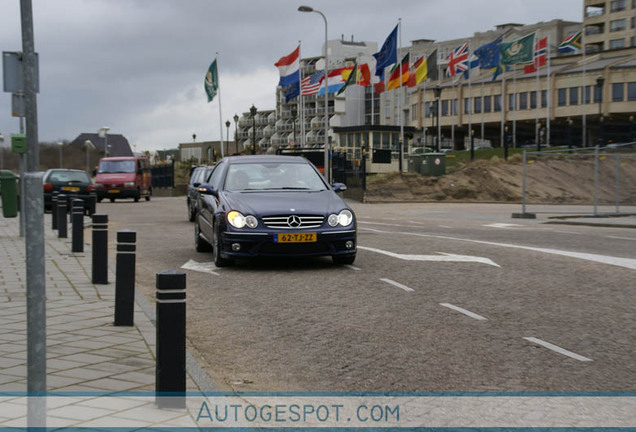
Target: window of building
x=574, y=95
x=617, y=43
x=562, y=97
x=592, y=11
x=631, y=91
x=587, y=94
x=386, y=140
x=598, y=94
x=414, y=112
x=618, y=5
x=387, y=109
x=618, y=25
x=487, y=104
x=466, y=106
x=497, y=103
x=523, y=100
x=454, y=106
x=617, y=92
x=511, y=102
x=633, y=22
x=477, y=105
x=376, y=140
x=544, y=98
x=445, y=107
x=533, y=100
x=427, y=109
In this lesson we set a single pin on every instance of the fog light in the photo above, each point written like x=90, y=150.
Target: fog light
x=349, y=244
x=236, y=247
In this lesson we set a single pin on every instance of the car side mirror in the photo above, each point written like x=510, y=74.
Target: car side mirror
x=339, y=187
x=206, y=189
x=196, y=184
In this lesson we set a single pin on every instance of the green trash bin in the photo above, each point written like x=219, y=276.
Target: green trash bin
x=433, y=164
x=9, y=190
x=415, y=161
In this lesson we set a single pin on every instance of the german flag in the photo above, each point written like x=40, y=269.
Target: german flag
x=394, y=80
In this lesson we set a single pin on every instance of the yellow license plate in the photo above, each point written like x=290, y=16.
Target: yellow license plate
x=70, y=188
x=113, y=191
x=295, y=238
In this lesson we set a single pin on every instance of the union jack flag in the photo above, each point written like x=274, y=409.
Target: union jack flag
x=311, y=84
x=457, y=61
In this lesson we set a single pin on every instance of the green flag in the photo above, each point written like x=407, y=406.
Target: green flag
x=211, y=83
x=517, y=51
x=351, y=79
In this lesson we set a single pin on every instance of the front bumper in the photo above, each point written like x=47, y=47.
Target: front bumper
x=255, y=243
x=117, y=193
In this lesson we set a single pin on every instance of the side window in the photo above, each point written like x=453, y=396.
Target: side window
x=215, y=177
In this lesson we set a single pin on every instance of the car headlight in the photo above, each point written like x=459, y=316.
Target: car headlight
x=237, y=220
x=129, y=184
x=344, y=218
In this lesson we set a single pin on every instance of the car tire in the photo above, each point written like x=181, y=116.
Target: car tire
x=137, y=196
x=191, y=213
x=112, y=200
x=200, y=244
x=99, y=200
x=343, y=259
x=219, y=261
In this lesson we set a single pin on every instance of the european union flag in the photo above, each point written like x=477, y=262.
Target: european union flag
x=488, y=55
x=388, y=54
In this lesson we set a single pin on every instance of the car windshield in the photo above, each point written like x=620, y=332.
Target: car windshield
x=125, y=166
x=273, y=176
x=69, y=176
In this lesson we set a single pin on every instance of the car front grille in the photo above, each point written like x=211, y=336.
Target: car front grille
x=293, y=221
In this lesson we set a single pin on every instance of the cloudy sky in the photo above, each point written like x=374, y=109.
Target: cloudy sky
x=137, y=66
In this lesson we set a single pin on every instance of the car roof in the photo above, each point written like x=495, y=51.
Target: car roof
x=64, y=169
x=265, y=158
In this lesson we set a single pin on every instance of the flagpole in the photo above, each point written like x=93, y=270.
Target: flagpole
x=514, y=106
x=302, y=102
x=220, y=114
x=584, y=119
x=537, y=73
x=547, y=121
x=470, y=98
x=400, y=113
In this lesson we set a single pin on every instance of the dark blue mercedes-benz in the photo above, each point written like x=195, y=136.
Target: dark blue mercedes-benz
x=272, y=206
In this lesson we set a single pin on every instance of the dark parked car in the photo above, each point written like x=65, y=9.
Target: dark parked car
x=272, y=206
x=75, y=184
x=198, y=175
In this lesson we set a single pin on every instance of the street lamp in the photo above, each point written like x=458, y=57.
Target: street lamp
x=438, y=94
x=89, y=146
x=570, y=123
x=227, y=137
x=326, y=72
x=236, y=119
x=631, y=129
x=103, y=133
x=253, y=112
x=472, y=144
x=505, y=143
x=61, y=144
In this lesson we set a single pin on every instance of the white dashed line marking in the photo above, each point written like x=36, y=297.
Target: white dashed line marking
x=397, y=284
x=464, y=311
x=349, y=266
x=558, y=349
x=621, y=238
x=502, y=225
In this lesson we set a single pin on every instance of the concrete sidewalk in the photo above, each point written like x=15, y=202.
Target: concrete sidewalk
x=85, y=351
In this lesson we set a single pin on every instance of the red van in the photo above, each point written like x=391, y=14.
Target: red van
x=123, y=177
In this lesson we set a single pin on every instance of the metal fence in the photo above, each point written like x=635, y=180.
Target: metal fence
x=597, y=181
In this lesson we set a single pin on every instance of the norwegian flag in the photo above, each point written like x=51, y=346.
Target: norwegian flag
x=540, y=56
x=311, y=84
x=457, y=61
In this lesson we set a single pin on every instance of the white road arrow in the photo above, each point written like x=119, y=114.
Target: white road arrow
x=442, y=257
x=201, y=267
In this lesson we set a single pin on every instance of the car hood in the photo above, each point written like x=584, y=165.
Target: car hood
x=284, y=202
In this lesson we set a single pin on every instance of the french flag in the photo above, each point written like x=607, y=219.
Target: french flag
x=289, y=68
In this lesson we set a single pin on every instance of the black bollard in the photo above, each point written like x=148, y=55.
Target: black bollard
x=100, y=249
x=62, y=220
x=54, y=210
x=125, y=278
x=77, y=219
x=92, y=204
x=170, y=380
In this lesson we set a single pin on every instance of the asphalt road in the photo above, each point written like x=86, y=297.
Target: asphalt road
x=442, y=297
